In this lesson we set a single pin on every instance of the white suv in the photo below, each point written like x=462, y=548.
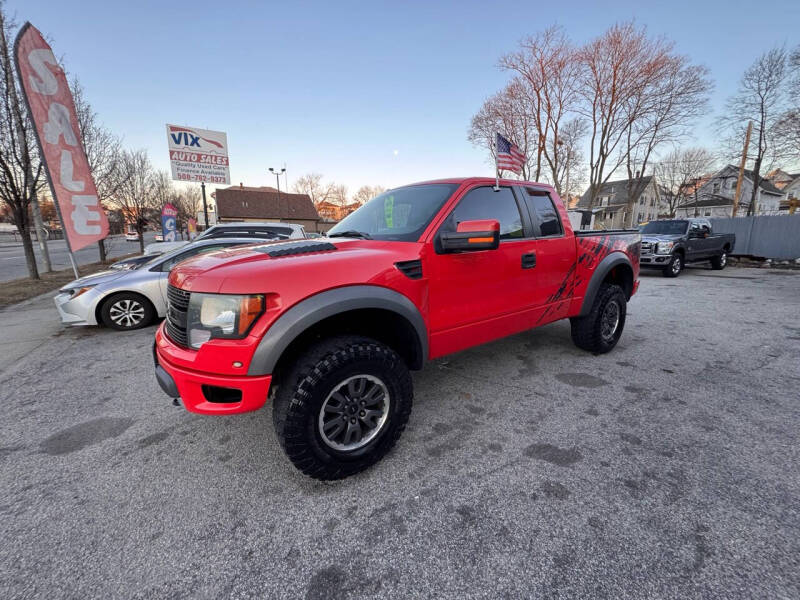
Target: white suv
x=286, y=231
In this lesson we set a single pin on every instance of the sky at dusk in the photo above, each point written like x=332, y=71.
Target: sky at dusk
x=374, y=92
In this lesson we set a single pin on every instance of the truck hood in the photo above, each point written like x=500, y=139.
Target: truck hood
x=274, y=267
x=661, y=237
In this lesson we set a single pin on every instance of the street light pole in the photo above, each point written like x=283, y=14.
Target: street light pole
x=278, y=178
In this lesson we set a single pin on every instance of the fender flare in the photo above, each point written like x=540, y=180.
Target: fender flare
x=320, y=306
x=604, y=268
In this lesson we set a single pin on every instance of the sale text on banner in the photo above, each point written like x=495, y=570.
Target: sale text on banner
x=52, y=111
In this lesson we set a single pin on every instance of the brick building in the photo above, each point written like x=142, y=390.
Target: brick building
x=261, y=204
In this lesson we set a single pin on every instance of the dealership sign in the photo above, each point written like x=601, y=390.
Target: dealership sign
x=52, y=111
x=169, y=215
x=198, y=155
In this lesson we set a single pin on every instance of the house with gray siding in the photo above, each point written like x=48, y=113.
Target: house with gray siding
x=611, y=210
x=714, y=197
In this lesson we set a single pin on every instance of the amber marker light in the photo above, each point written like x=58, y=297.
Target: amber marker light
x=249, y=310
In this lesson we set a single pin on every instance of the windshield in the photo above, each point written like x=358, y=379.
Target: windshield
x=399, y=215
x=163, y=257
x=665, y=227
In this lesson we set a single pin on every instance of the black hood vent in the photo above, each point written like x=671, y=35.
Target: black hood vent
x=293, y=248
x=410, y=268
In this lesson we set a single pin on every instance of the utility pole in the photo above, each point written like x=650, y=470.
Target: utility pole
x=741, y=169
x=205, y=206
x=278, y=178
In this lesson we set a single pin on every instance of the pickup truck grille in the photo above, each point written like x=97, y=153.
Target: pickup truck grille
x=177, y=306
x=648, y=247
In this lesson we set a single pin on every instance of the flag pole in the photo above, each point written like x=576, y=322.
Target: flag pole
x=496, y=167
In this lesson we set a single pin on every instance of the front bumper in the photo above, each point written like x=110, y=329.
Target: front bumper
x=654, y=261
x=76, y=311
x=205, y=393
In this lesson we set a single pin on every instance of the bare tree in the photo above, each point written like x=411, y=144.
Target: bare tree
x=366, y=193
x=338, y=195
x=21, y=175
x=680, y=174
x=103, y=151
x=189, y=202
x=788, y=126
x=549, y=74
x=638, y=95
x=610, y=81
x=569, y=170
x=670, y=101
x=135, y=197
x=509, y=114
x=761, y=99
x=312, y=185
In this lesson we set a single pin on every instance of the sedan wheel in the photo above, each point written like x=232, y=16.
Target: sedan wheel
x=127, y=311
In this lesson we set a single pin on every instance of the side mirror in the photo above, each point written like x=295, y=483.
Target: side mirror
x=472, y=235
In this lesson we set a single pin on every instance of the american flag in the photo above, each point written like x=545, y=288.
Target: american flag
x=509, y=156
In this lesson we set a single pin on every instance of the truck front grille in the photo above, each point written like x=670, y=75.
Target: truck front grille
x=648, y=247
x=177, y=306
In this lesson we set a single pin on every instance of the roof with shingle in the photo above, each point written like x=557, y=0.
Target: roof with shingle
x=765, y=184
x=262, y=203
x=618, y=190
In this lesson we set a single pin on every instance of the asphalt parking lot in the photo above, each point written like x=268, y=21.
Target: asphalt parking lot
x=666, y=469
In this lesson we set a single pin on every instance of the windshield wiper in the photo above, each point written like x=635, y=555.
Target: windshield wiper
x=351, y=233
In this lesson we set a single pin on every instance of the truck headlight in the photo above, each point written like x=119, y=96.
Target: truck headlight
x=214, y=316
x=665, y=247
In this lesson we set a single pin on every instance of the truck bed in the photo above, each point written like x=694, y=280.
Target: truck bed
x=591, y=232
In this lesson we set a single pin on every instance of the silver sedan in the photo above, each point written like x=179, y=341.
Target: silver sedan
x=130, y=299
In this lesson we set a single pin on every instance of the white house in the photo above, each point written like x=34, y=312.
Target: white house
x=791, y=191
x=714, y=198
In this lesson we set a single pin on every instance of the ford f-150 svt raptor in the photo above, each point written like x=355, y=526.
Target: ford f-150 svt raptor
x=329, y=328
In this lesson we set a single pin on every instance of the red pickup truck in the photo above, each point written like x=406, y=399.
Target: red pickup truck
x=329, y=328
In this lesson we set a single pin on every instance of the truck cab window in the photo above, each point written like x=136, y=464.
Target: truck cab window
x=485, y=203
x=544, y=215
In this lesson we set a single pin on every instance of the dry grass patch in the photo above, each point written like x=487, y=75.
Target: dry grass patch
x=17, y=290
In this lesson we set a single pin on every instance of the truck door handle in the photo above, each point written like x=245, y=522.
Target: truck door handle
x=529, y=260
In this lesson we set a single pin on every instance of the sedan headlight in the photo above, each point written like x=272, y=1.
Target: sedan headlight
x=213, y=316
x=75, y=292
x=665, y=247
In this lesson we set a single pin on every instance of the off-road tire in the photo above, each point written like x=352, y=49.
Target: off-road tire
x=303, y=391
x=110, y=317
x=720, y=262
x=587, y=332
x=670, y=270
